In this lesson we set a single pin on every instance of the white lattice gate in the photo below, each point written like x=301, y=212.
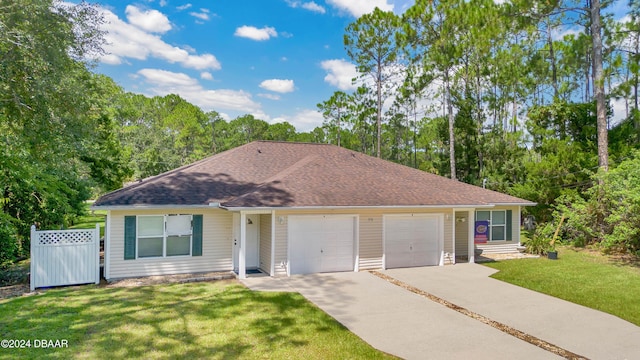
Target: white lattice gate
x=65, y=257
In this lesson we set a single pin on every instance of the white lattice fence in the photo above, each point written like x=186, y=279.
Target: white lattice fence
x=65, y=257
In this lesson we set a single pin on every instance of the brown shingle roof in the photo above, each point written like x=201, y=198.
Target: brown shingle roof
x=282, y=174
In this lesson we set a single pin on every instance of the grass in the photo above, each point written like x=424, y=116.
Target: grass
x=90, y=220
x=582, y=277
x=217, y=320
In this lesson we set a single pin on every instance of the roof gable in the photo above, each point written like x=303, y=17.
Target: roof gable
x=281, y=174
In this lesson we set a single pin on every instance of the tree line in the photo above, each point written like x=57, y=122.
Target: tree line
x=483, y=93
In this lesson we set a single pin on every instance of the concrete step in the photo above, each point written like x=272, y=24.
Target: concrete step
x=498, y=248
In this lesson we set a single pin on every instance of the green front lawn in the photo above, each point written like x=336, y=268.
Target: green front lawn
x=217, y=320
x=90, y=220
x=588, y=279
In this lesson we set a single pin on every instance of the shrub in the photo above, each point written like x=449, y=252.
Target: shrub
x=539, y=243
x=610, y=214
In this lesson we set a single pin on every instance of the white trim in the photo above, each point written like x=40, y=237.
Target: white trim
x=235, y=234
x=439, y=216
x=242, y=264
x=516, y=230
x=165, y=237
x=149, y=207
x=453, y=237
x=493, y=225
x=472, y=230
x=97, y=240
x=266, y=209
x=272, y=268
x=384, y=243
x=516, y=204
x=357, y=244
x=107, y=246
x=401, y=207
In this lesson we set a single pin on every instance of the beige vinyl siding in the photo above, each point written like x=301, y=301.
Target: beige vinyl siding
x=281, y=250
x=462, y=234
x=217, y=246
x=369, y=240
x=265, y=243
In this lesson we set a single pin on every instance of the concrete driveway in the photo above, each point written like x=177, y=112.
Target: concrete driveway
x=584, y=331
x=399, y=322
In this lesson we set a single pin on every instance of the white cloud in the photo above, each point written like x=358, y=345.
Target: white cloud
x=560, y=32
x=149, y=20
x=358, y=8
x=183, y=7
x=278, y=85
x=340, y=73
x=310, y=5
x=619, y=111
x=166, y=82
x=253, y=33
x=206, y=75
x=303, y=120
x=163, y=3
x=204, y=15
x=125, y=40
x=270, y=96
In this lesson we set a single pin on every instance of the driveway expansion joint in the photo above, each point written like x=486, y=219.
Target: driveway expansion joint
x=483, y=319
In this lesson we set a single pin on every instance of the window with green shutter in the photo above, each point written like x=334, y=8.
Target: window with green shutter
x=500, y=223
x=153, y=236
x=129, y=237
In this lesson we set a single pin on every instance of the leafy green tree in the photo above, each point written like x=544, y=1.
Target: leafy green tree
x=370, y=43
x=280, y=132
x=335, y=111
x=50, y=109
x=615, y=197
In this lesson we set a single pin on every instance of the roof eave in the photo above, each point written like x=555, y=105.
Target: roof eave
x=149, y=207
x=251, y=208
x=516, y=204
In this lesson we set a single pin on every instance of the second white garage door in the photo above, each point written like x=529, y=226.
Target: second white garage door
x=322, y=243
x=413, y=240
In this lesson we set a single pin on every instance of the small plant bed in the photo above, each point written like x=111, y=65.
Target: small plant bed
x=206, y=320
x=15, y=274
x=606, y=283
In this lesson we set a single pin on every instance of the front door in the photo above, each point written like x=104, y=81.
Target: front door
x=252, y=259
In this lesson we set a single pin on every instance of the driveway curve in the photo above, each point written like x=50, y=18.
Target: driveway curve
x=400, y=322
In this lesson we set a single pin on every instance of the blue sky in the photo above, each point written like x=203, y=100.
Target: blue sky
x=275, y=59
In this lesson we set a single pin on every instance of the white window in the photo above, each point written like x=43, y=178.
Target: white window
x=497, y=223
x=164, y=235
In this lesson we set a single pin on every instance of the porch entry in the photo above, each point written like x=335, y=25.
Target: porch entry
x=252, y=259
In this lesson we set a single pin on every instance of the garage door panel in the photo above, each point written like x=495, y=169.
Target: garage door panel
x=412, y=240
x=321, y=243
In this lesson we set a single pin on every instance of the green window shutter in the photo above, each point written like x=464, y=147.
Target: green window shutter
x=196, y=244
x=129, y=237
x=509, y=225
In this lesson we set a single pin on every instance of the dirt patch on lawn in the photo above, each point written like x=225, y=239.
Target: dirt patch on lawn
x=498, y=257
x=170, y=279
x=23, y=288
x=13, y=291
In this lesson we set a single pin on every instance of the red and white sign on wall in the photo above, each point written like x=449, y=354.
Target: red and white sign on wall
x=481, y=232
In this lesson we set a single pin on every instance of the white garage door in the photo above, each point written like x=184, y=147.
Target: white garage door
x=412, y=240
x=321, y=243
